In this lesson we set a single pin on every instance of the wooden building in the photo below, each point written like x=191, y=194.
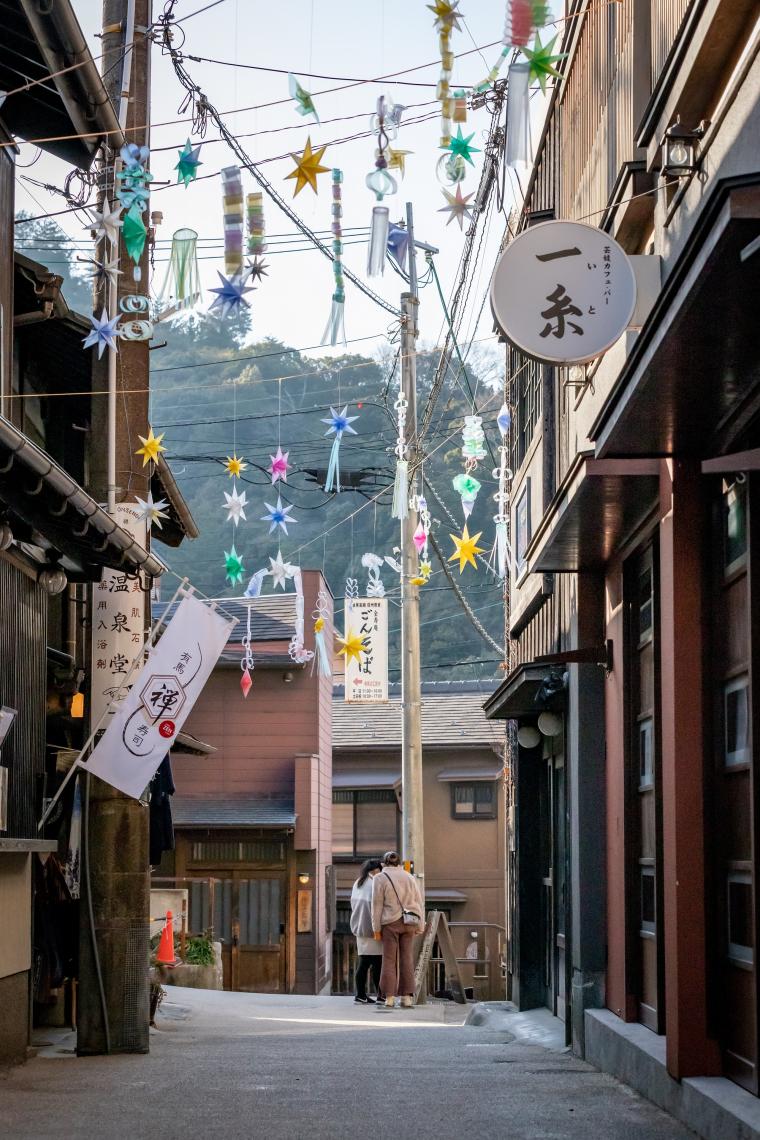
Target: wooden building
x=634, y=602
x=464, y=817
x=252, y=818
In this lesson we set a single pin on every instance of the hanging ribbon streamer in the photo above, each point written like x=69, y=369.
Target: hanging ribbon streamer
x=400, y=505
x=518, y=114
x=500, y=553
x=339, y=423
x=335, y=330
x=378, y=241
x=521, y=19
x=182, y=284
x=247, y=663
x=232, y=206
x=296, y=649
x=321, y=658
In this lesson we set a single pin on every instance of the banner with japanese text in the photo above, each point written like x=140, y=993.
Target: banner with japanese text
x=367, y=678
x=140, y=732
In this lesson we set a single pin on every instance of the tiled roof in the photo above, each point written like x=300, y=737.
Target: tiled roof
x=273, y=617
x=452, y=716
x=233, y=811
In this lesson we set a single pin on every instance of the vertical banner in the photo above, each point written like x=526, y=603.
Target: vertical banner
x=367, y=679
x=118, y=623
x=140, y=732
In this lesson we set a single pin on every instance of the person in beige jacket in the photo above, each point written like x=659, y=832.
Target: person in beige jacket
x=394, y=893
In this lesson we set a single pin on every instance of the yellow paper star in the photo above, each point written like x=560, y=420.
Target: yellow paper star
x=418, y=581
x=351, y=646
x=235, y=466
x=307, y=167
x=151, y=447
x=319, y=625
x=397, y=159
x=466, y=548
x=447, y=14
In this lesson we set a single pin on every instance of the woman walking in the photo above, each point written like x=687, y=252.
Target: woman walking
x=370, y=960
x=398, y=913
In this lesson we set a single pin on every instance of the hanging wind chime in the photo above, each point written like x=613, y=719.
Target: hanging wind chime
x=381, y=183
x=335, y=330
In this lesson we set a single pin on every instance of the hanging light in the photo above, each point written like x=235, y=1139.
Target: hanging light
x=549, y=724
x=6, y=536
x=53, y=580
x=528, y=736
x=679, y=149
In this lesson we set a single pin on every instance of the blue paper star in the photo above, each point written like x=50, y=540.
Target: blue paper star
x=230, y=296
x=339, y=422
x=187, y=167
x=103, y=333
x=278, y=516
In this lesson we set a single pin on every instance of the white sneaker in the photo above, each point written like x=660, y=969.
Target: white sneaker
x=386, y=1006
x=407, y=1003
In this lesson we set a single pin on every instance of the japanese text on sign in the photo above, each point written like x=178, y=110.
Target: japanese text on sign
x=367, y=679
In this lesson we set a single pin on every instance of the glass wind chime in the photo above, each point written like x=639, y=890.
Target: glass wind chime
x=381, y=183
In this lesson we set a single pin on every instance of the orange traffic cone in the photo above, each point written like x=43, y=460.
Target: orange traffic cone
x=165, y=954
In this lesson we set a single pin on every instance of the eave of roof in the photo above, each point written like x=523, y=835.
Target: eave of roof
x=180, y=524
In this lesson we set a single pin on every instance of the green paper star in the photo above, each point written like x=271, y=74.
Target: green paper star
x=541, y=59
x=187, y=167
x=134, y=233
x=233, y=564
x=460, y=146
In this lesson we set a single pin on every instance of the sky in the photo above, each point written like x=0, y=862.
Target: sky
x=348, y=40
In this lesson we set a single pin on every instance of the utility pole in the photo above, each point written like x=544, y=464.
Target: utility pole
x=113, y=1006
x=411, y=698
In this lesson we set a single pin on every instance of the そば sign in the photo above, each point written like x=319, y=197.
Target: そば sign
x=367, y=679
x=563, y=292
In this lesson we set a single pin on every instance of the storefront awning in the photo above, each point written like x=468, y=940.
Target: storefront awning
x=355, y=778
x=455, y=775
x=598, y=504
x=516, y=697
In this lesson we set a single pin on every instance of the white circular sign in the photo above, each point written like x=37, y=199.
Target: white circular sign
x=563, y=292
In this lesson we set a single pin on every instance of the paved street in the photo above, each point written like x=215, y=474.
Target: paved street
x=237, y=1065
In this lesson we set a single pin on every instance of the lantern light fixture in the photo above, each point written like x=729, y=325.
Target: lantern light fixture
x=528, y=736
x=679, y=145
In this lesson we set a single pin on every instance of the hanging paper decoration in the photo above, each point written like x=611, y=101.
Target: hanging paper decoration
x=522, y=17
x=107, y=223
x=447, y=17
x=335, y=330
x=103, y=271
x=135, y=234
x=378, y=241
x=151, y=511
x=352, y=588
x=397, y=160
x=247, y=664
x=280, y=570
x=457, y=207
x=133, y=193
x=235, y=466
x=151, y=447
x=473, y=442
x=398, y=245
x=103, y=332
x=278, y=516
x=279, y=466
x=297, y=650
x=467, y=487
x=182, y=284
x=187, y=167
x=135, y=320
x=380, y=182
x=500, y=553
x=308, y=166
x=420, y=539
x=460, y=107
x=518, y=114
x=256, y=243
x=232, y=208
x=235, y=505
x=320, y=613
x=233, y=565
x=303, y=100
x=461, y=147
x=375, y=587
x=352, y=645
x=230, y=296
x=253, y=589
x=465, y=548
x=339, y=423
x=400, y=504
x=541, y=60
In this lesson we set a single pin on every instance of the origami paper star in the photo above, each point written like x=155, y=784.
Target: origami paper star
x=278, y=516
x=107, y=224
x=233, y=564
x=151, y=447
x=447, y=14
x=234, y=465
x=187, y=167
x=303, y=100
x=541, y=60
x=319, y=624
x=351, y=646
x=103, y=333
x=397, y=159
x=104, y=270
x=504, y=419
x=457, y=207
x=307, y=167
x=230, y=295
x=461, y=147
x=281, y=570
x=339, y=422
x=465, y=548
x=466, y=485
x=134, y=233
x=426, y=569
x=419, y=537
x=151, y=511
x=279, y=466
x=257, y=269
x=235, y=505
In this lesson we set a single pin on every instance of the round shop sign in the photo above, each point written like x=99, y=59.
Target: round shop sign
x=166, y=729
x=563, y=292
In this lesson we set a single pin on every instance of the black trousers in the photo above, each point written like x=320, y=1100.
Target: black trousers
x=368, y=963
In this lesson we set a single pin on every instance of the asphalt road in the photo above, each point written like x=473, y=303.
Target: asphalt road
x=227, y=1066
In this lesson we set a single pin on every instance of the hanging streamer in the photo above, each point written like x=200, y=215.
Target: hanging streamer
x=518, y=114
x=521, y=19
x=254, y=204
x=182, y=284
x=339, y=423
x=400, y=505
x=321, y=658
x=296, y=649
x=500, y=555
x=335, y=330
x=247, y=664
x=232, y=206
x=447, y=17
x=378, y=241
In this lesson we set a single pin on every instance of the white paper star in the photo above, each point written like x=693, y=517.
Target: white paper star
x=281, y=570
x=151, y=511
x=107, y=224
x=234, y=505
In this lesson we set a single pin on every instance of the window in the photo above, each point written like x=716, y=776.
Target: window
x=740, y=940
x=648, y=913
x=522, y=526
x=525, y=396
x=646, y=761
x=475, y=800
x=736, y=722
x=734, y=524
x=365, y=823
x=645, y=604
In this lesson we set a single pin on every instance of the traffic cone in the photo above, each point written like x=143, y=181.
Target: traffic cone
x=165, y=953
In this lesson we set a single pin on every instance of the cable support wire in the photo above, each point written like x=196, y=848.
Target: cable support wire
x=481, y=629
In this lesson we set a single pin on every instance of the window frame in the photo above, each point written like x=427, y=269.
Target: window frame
x=388, y=796
x=740, y=759
x=474, y=815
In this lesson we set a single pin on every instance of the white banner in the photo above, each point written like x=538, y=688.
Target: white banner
x=140, y=732
x=367, y=679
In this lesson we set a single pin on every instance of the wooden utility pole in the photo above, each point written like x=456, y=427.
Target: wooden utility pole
x=113, y=1012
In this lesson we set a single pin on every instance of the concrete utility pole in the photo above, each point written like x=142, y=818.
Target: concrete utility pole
x=113, y=1007
x=411, y=734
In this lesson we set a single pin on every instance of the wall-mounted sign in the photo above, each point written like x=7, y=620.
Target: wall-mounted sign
x=563, y=292
x=367, y=678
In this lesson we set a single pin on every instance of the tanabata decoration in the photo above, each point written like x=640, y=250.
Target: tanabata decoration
x=521, y=19
x=233, y=565
x=182, y=284
x=103, y=271
x=235, y=505
x=103, y=332
x=232, y=208
x=297, y=650
x=136, y=323
x=467, y=487
x=473, y=442
x=253, y=589
x=352, y=645
x=151, y=511
x=398, y=245
x=189, y=161
x=400, y=503
x=465, y=548
x=541, y=60
x=461, y=147
x=372, y=563
x=247, y=663
x=256, y=244
x=278, y=516
x=280, y=570
x=500, y=553
x=135, y=234
x=303, y=100
x=447, y=17
x=235, y=466
x=457, y=207
x=460, y=107
x=420, y=539
x=279, y=466
x=352, y=588
x=151, y=447
x=380, y=182
x=397, y=160
x=320, y=614
x=107, y=223
x=336, y=330
x=133, y=194
x=308, y=166
x=339, y=423
x=518, y=114
x=230, y=296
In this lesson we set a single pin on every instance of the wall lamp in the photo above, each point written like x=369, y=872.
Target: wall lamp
x=53, y=579
x=304, y=878
x=679, y=145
